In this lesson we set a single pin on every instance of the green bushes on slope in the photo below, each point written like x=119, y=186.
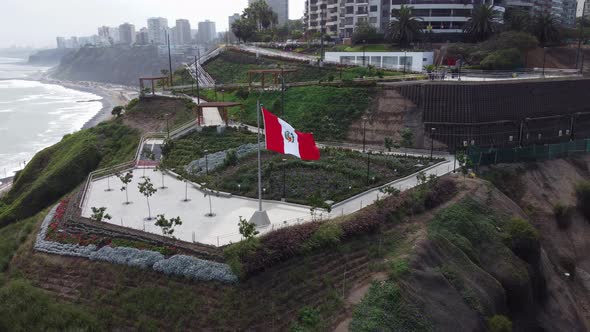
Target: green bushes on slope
x=58, y=169
x=26, y=308
x=326, y=111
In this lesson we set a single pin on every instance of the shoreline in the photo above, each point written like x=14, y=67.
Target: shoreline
x=112, y=95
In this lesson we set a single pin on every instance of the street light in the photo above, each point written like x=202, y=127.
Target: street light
x=405, y=59
x=432, y=142
x=368, y=165
x=364, y=47
x=544, y=57
x=284, y=178
x=167, y=116
x=206, y=163
x=364, y=131
x=222, y=94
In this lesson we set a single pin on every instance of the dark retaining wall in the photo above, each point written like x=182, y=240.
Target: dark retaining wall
x=503, y=113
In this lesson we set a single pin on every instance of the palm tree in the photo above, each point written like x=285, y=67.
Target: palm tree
x=482, y=23
x=405, y=27
x=518, y=20
x=544, y=28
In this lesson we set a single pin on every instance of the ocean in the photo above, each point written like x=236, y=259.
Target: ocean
x=35, y=115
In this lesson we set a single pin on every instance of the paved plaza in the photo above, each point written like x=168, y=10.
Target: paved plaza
x=222, y=228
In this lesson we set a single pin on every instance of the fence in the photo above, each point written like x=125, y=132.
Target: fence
x=486, y=156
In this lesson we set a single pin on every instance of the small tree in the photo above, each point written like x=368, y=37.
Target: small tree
x=117, y=110
x=388, y=142
x=185, y=180
x=162, y=169
x=126, y=179
x=147, y=189
x=98, y=214
x=166, y=225
x=247, y=229
x=465, y=164
x=407, y=138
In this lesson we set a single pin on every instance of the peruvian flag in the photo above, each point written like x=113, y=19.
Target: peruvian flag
x=281, y=137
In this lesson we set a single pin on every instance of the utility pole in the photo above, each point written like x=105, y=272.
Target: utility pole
x=581, y=35
x=282, y=93
x=169, y=58
x=544, y=57
x=432, y=142
x=197, y=78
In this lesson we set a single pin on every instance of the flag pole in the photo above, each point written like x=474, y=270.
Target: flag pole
x=259, y=162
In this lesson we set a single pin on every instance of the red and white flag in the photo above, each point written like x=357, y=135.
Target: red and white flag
x=282, y=138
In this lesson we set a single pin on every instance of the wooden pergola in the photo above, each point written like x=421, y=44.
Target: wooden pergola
x=221, y=105
x=152, y=79
x=274, y=72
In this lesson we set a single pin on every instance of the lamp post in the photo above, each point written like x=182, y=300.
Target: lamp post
x=364, y=131
x=197, y=77
x=544, y=57
x=368, y=165
x=169, y=58
x=206, y=163
x=405, y=59
x=282, y=92
x=222, y=94
x=167, y=116
x=284, y=178
x=364, y=48
x=432, y=142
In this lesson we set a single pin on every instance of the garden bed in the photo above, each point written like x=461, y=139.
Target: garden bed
x=338, y=175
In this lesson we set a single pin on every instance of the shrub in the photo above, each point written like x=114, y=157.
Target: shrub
x=442, y=191
x=562, y=215
x=583, y=197
x=499, y=323
x=195, y=269
x=231, y=158
x=362, y=223
x=308, y=320
x=242, y=93
x=328, y=234
x=522, y=238
x=502, y=59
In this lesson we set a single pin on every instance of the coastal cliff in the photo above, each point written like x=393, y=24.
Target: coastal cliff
x=118, y=65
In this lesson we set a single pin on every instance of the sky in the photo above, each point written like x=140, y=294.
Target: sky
x=37, y=22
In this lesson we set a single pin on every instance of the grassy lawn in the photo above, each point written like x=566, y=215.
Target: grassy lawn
x=325, y=111
x=191, y=147
x=232, y=67
x=339, y=174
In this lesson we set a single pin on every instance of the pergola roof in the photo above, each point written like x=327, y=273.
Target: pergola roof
x=220, y=104
x=272, y=71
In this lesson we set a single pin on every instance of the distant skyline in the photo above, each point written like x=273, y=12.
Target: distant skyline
x=36, y=23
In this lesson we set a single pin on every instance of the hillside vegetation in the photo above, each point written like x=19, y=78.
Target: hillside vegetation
x=232, y=66
x=325, y=111
x=58, y=169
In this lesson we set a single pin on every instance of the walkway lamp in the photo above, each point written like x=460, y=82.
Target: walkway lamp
x=364, y=131
x=432, y=130
x=364, y=50
x=544, y=57
x=368, y=165
x=284, y=178
x=206, y=163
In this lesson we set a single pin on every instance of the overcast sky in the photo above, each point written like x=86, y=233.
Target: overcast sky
x=38, y=22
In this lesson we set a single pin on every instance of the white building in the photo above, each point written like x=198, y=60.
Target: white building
x=127, y=34
x=157, y=29
x=230, y=21
x=108, y=35
x=408, y=61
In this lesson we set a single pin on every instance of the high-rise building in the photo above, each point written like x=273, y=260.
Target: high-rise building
x=157, y=30
x=142, y=37
x=108, y=35
x=586, y=10
x=61, y=42
x=340, y=17
x=207, y=32
x=230, y=20
x=126, y=33
x=570, y=8
x=281, y=7
x=183, y=32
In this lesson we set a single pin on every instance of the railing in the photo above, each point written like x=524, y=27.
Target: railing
x=99, y=173
x=482, y=75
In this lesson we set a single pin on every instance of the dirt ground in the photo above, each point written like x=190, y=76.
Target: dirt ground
x=150, y=114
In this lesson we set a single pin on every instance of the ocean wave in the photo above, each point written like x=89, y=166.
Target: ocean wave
x=7, y=111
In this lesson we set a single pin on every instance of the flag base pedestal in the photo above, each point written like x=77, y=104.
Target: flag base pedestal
x=260, y=218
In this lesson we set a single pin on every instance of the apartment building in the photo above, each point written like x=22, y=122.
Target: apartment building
x=340, y=17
